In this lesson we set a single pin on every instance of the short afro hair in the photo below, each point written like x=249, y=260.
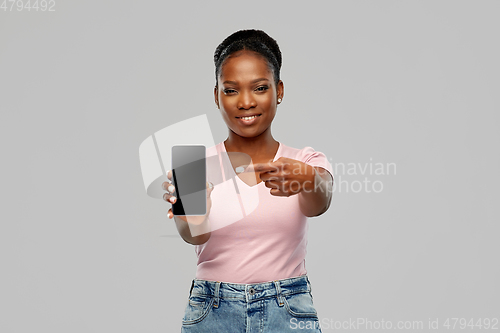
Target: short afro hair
x=252, y=40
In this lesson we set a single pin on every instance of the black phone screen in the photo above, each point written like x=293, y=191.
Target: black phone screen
x=189, y=178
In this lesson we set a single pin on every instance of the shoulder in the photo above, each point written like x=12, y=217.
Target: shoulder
x=303, y=154
x=307, y=155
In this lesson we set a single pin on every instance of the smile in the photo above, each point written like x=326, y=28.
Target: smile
x=248, y=120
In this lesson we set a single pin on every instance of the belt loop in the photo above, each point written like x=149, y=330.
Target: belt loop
x=279, y=297
x=191, y=290
x=217, y=287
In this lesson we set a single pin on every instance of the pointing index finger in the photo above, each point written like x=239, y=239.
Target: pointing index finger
x=262, y=167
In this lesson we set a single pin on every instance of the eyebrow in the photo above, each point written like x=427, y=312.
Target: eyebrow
x=253, y=81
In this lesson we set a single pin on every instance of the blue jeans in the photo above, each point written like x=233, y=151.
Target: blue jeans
x=271, y=307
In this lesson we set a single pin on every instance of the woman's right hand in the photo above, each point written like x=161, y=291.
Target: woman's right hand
x=170, y=197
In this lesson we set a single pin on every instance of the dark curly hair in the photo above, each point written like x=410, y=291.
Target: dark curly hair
x=252, y=40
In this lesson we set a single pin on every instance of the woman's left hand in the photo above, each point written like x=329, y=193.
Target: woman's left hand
x=286, y=176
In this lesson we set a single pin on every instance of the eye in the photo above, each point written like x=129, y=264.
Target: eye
x=229, y=91
x=262, y=88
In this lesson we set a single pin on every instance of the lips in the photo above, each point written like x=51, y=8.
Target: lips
x=248, y=120
x=249, y=115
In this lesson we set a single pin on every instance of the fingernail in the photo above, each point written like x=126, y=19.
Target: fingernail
x=172, y=199
x=171, y=189
x=210, y=185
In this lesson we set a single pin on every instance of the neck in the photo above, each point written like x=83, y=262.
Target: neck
x=258, y=145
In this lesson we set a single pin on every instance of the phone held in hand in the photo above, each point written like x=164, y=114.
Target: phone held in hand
x=189, y=176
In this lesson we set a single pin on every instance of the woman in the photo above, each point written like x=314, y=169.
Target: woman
x=256, y=283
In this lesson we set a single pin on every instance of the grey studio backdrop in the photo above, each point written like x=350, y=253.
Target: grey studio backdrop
x=402, y=96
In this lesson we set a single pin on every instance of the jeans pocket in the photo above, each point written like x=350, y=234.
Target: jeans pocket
x=197, y=309
x=300, y=305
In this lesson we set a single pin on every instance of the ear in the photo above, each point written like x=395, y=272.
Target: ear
x=280, y=90
x=216, y=96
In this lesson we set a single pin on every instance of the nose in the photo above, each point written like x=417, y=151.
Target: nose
x=246, y=101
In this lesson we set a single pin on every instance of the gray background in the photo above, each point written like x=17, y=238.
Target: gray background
x=84, y=249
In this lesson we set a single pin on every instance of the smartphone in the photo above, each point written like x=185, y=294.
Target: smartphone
x=189, y=176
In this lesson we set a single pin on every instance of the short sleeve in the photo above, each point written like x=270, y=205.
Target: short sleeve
x=315, y=158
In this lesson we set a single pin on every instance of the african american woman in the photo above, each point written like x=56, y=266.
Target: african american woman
x=256, y=283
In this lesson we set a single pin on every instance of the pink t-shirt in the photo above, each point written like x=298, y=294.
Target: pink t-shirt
x=265, y=243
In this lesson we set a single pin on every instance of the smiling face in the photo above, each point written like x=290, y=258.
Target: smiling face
x=247, y=94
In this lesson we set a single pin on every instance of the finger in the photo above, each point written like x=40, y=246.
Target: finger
x=210, y=188
x=169, y=174
x=168, y=187
x=266, y=176
x=272, y=184
x=262, y=167
x=170, y=198
x=170, y=213
x=278, y=193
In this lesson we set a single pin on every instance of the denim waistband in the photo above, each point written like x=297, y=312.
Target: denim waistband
x=250, y=292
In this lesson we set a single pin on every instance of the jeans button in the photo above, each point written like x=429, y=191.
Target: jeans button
x=251, y=291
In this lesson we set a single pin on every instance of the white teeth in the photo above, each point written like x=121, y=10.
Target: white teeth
x=248, y=118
